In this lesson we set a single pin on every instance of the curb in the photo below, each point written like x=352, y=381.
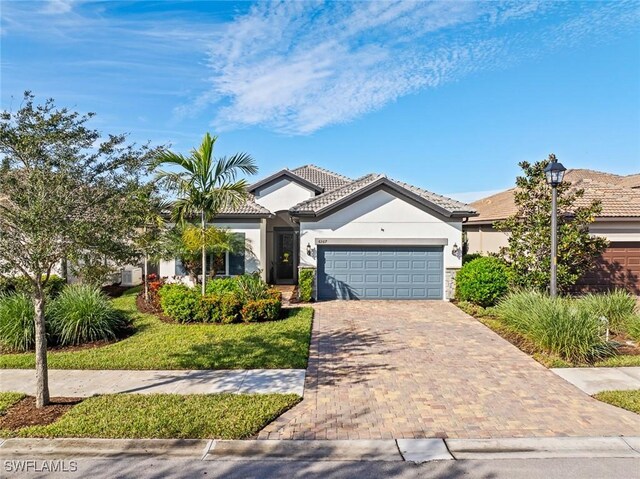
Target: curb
x=413, y=450
x=74, y=448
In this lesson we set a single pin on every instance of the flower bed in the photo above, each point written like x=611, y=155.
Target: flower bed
x=243, y=298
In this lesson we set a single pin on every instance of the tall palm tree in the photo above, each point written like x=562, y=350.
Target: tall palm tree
x=205, y=185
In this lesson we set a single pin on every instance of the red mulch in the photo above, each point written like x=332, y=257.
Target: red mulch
x=25, y=413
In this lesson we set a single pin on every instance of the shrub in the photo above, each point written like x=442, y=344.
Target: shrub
x=261, y=310
x=556, y=325
x=81, y=314
x=17, y=327
x=221, y=286
x=482, y=281
x=251, y=288
x=180, y=302
x=230, y=308
x=467, y=258
x=617, y=306
x=224, y=303
x=633, y=326
x=305, y=284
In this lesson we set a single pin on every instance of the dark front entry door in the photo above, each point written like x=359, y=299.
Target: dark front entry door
x=285, y=257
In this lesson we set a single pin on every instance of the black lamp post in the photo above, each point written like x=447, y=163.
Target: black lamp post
x=554, y=173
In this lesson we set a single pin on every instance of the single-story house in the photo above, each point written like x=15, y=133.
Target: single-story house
x=366, y=238
x=619, y=222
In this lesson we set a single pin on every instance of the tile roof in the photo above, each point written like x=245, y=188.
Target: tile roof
x=250, y=208
x=619, y=195
x=331, y=198
x=328, y=180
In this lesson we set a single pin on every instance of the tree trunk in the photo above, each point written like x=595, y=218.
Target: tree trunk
x=204, y=256
x=42, y=375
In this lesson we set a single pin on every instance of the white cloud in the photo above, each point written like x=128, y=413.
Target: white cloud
x=57, y=7
x=296, y=67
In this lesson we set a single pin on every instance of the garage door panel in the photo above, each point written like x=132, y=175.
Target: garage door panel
x=618, y=267
x=388, y=272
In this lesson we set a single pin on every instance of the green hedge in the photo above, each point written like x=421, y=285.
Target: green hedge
x=482, y=281
x=227, y=300
x=305, y=284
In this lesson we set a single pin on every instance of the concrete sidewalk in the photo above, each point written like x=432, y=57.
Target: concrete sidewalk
x=595, y=380
x=414, y=450
x=86, y=383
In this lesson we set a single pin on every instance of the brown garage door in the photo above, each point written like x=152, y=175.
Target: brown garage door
x=619, y=267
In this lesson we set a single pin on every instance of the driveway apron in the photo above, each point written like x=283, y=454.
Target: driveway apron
x=418, y=369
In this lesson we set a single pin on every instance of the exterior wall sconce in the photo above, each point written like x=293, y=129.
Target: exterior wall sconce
x=455, y=250
x=309, y=250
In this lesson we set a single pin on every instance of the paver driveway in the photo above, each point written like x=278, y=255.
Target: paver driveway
x=414, y=369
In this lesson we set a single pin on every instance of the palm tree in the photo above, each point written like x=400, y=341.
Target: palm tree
x=205, y=185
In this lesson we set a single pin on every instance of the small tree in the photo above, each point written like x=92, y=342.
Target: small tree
x=63, y=194
x=529, y=250
x=185, y=242
x=152, y=238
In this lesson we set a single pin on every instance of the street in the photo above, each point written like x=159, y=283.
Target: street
x=596, y=468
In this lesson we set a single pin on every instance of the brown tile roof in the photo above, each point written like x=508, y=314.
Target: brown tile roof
x=619, y=195
x=332, y=198
x=327, y=180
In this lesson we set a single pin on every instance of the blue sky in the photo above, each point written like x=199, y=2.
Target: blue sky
x=445, y=95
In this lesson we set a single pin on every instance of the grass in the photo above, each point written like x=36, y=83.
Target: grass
x=488, y=317
x=160, y=345
x=197, y=416
x=9, y=399
x=629, y=400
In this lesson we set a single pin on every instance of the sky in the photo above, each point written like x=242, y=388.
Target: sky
x=448, y=96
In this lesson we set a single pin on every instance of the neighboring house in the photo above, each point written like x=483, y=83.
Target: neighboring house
x=619, y=222
x=369, y=238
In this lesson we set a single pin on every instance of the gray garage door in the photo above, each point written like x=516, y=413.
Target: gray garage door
x=380, y=272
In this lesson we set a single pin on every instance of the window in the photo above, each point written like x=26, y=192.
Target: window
x=228, y=264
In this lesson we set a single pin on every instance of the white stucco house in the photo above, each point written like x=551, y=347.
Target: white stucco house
x=366, y=238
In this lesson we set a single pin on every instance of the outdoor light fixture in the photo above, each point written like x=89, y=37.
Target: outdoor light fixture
x=554, y=171
x=309, y=249
x=555, y=174
x=455, y=250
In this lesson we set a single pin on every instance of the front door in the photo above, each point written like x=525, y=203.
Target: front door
x=285, y=257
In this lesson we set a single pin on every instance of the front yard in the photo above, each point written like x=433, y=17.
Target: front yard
x=627, y=356
x=197, y=416
x=160, y=345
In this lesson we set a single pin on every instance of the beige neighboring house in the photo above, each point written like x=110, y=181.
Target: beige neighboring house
x=619, y=222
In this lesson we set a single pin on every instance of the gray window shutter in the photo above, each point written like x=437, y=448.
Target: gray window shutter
x=236, y=260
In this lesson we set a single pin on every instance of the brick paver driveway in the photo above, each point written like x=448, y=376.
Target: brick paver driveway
x=414, y=369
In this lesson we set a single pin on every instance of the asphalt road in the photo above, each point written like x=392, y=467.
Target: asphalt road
x=596, y=468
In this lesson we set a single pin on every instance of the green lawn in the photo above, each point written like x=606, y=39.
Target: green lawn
x=625, y=399
x=160, y=345
x=488, y=318
x=9, y=399
x=211, y=416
